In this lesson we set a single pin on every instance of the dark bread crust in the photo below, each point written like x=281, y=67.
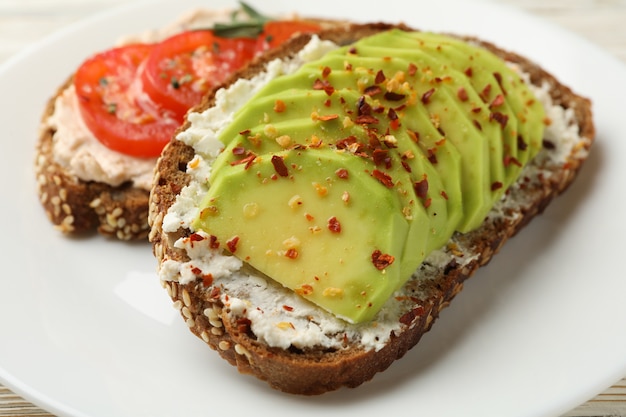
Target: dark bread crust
x=75, y=206
x=317, y=371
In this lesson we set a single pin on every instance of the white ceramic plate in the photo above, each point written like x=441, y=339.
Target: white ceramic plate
x=86, y=329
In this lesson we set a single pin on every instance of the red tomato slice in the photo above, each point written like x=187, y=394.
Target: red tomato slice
x=275, y=32
x=181, y=69
x=114, y=107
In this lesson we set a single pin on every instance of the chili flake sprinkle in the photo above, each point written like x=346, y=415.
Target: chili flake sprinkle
x=334, y=225
x=381, y=260
x=232, y=244
x=279, y=166
x=427, y=95
x=421, y=188
x=385, y=179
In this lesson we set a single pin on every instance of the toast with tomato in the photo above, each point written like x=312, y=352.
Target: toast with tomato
x=102, y=131
x=223, y=276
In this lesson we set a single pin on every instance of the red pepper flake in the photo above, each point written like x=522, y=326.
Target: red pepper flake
x=366, y=120
x=462, y=94
x=380, y=77
x=468, y=71
x=232, y=244
x=406, y=167
x=521, y=143
x=508, y=160
x=215, y=293
x=498, y=78
x=279, y=166
x=548, y=144
x=484, y=95
x=444, y=194
x=279, y=106
x=195, y=237
x=395, y=124
x=309, y=217
x=391, y=96
x=291, y=253
x=347, y=142
x=477, y=124
x=421, y=188
x=207, y=280
x=477, y=109
x=342, y=173
x=498, y=101
x=363, y=107
x=326, y=72
x=496, y=186
x=381, y=157
x=427, y=95
x=333, y=225
x=352, y=50
x=213, y=242
x=245, y=132
x=501, y=118
x=239, y=150
x=247, y=161
x=323, y=85
x=372, y=90
x=412, y=69
x=328, y=103
x=196, y=271
x=385, y=179
x=427, y=202
x=432, y=156
x=381, y=260
x=287, y=308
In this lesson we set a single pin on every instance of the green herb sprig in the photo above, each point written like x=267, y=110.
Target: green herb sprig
x=251, y=28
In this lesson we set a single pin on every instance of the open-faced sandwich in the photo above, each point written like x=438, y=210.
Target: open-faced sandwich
x=103, y=129
x=315, y=214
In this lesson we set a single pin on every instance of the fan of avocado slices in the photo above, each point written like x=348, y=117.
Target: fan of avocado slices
x=339, y=179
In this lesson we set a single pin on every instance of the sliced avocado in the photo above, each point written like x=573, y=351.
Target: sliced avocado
x=522, y=134
x=465, y=123
x=327, y=229
x=337, y=180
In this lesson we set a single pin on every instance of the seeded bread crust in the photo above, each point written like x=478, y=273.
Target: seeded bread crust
x=75, y=206
x=317, y=371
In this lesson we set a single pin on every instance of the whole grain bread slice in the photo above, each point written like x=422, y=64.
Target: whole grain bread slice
x=313, y=371
x=75, y=206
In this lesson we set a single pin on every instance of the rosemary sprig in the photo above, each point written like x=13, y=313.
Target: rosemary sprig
x=242, y=29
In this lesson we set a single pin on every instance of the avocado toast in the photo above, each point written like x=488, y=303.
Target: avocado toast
x=403, y=171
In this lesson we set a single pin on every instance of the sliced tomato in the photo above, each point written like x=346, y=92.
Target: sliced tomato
x=181, y=69
x=276, y=32
x=133, y=98
x=114, y=107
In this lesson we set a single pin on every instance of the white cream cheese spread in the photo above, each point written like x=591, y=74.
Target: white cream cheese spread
x=278, y=316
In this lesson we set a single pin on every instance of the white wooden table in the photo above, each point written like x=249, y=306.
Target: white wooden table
x=603, y=22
